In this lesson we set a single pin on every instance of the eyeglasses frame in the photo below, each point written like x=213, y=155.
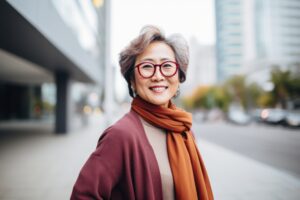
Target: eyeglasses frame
x=155, y=66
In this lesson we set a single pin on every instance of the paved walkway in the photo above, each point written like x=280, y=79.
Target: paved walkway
x=40, y=165
x=235, y=177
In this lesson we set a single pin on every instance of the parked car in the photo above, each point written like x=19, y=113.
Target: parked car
x=237, y=115
x=256, y=114
x=199, y=116
x=214, y=115
x=273, y=115
x=292, y=118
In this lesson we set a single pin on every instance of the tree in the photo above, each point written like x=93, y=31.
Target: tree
x=236, y=87
x=282, y=83
x=254, y=92
x=265, y=100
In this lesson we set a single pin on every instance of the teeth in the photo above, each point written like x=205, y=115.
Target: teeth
x=158, y=89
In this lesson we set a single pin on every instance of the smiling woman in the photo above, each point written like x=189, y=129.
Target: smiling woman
x=153, y=85
x=150, y=153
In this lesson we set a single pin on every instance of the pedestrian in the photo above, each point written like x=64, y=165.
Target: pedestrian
x=150, y=153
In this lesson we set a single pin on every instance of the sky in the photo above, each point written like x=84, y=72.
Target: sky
x=190, y=18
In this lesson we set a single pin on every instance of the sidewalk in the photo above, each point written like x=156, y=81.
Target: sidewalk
x=235, y=177
x=45, y=166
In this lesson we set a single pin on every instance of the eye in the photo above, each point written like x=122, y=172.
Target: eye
x=147, y=66
x=168, y=65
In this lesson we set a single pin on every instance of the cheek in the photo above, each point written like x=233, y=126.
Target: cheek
x=139, y=82
x=174, y=84
x=175, y=81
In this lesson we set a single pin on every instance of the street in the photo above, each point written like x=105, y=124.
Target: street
x=276, y=146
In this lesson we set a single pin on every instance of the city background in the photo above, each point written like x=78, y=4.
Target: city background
x=61, y=86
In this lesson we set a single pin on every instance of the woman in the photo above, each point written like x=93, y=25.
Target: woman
x=150, y=153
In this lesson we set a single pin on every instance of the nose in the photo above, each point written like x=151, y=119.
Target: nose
x=157, y=74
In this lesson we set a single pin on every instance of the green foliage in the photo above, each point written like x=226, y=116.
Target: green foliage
x=220, y=97
x=236, y=87
x=294, y=87
x=265, y=100
x=207, y=97
x=281, y=80
x=197, y=99
x=286, y=87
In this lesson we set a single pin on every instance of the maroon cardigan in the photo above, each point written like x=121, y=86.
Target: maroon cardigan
x=123, y=166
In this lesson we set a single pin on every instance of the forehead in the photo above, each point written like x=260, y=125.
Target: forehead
x=157, y=51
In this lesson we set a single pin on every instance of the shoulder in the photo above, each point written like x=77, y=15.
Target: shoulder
x=124, y=130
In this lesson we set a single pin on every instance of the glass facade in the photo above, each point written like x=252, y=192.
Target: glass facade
x=229, y=37
x=250, y=31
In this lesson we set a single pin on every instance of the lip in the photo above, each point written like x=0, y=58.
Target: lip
x=158, y=88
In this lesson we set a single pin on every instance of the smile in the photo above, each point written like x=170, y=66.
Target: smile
x=158, y=89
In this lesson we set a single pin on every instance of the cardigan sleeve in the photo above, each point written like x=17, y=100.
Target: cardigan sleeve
x=103, y=169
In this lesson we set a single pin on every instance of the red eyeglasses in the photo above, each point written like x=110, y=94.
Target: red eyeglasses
x=148, y=69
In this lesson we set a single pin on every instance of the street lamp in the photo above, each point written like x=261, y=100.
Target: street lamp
x=98, y=3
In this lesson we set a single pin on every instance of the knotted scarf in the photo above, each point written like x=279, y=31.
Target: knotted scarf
x=189, y=174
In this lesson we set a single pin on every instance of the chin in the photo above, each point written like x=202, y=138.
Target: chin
x=160, y=102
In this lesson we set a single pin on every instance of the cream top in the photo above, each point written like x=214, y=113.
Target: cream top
x=158, y=140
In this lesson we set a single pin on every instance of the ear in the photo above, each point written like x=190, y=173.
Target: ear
x=132, y=82
x=133, y=85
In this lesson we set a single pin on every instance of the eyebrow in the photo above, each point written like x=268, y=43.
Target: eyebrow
x=150, y=59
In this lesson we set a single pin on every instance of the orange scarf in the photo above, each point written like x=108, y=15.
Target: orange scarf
x=189, y=174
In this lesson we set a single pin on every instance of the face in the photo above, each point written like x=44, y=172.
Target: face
x=158, y=89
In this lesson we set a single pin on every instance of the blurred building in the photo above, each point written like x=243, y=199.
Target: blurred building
x=61, y=43
x=277, y=38
x=253, y=35
x=229, y=38
x=277, y=25
x=202, y=66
